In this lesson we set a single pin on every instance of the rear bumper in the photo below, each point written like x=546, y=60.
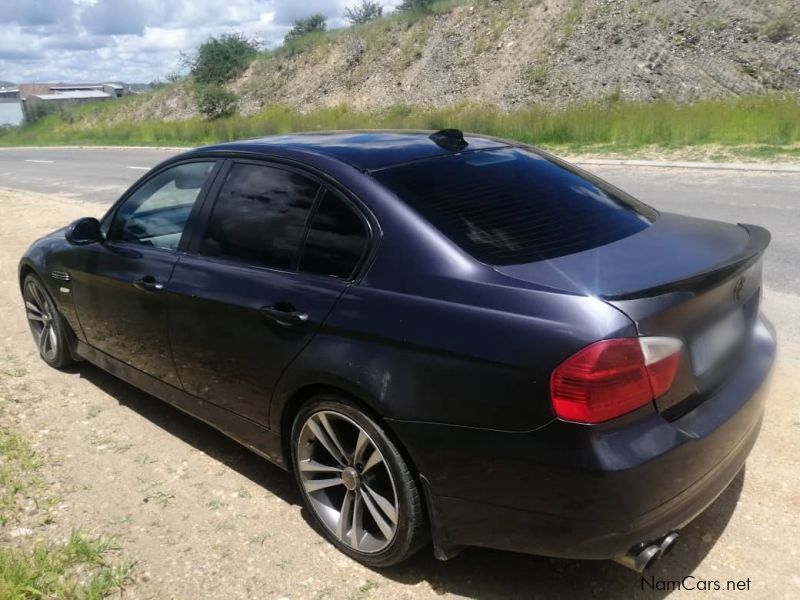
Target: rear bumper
x=592, y=492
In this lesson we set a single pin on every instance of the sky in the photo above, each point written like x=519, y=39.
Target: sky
x=135, y=40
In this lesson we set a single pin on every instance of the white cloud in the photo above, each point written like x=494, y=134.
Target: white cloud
x=134, y=40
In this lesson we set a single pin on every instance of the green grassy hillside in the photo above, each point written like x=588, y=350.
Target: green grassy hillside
x=759, y=126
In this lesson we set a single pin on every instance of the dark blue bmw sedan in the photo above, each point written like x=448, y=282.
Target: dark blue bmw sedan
x=452, y=339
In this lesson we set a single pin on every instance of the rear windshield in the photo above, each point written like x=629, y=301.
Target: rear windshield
x=511, y=206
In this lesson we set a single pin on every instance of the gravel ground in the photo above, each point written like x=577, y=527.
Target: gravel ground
x=204, y=518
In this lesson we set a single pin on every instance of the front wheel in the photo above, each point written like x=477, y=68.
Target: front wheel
x=355, y=483
x=46, y=323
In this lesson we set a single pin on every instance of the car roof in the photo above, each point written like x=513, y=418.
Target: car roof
x=364, y=150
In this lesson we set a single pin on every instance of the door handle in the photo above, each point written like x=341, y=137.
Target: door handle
x=148, y=284
x=284, y=314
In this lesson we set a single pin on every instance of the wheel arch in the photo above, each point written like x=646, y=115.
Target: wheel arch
x=26, y=269
x=299, y=397
x=443, y=550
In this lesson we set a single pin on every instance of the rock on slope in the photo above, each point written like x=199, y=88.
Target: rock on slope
x=516, y=52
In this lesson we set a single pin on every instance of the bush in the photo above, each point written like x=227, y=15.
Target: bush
x=414, y=5
x=214, y=101
x=220, y=59
x=33, y=111
x=302, y=27
x=364, y=12
x=782, y=29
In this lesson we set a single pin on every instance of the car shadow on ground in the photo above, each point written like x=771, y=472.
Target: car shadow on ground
x=476, y=572
x=482, y=573
x=194, y=432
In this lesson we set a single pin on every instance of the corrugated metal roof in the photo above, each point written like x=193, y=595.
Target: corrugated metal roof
x=73, y=95
x=77, y=87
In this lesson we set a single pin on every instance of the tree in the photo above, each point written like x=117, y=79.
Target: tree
x=412, y=5
x=364, y=12
x=302, y=27
x=220, y=59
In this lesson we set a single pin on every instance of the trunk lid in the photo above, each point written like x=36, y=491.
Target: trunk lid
x=695, y=279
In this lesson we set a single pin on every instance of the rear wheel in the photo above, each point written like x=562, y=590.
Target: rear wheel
x=46, y=323
x=355, y=483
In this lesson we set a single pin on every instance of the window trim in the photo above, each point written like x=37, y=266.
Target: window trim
x=202, y=219
x=108, y=219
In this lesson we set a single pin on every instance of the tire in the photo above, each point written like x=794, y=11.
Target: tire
x=47, y=326
x=345, y=464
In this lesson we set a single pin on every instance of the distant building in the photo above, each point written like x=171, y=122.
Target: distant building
x=69, y=97
x=40, y=98
x=9, y=93
x=114, y=90
x=10, y=108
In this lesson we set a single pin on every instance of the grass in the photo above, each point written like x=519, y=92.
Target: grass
x=80, y=567
x=19, y=476
x=76, y=568
x=159, y=497
x=766, y=125
x=571, y=18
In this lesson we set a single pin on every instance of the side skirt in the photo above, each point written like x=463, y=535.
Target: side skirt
x=259, y=439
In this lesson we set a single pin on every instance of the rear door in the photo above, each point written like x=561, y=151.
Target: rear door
x=276, y=253
x=118, y=285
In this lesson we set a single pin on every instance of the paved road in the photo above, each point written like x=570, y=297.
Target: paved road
x=768, y=199
x=94, y=174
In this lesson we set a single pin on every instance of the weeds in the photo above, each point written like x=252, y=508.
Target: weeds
x=783, y=28
x=160, y=497
x=76, y=568
x=19, y=475
x=571, y=18
x=768, y=123
x=14, y=371
x=537, y=74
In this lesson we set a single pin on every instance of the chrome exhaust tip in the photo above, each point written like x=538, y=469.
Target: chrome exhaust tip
x=639, y=560
x=643, y=556
x=666, y=543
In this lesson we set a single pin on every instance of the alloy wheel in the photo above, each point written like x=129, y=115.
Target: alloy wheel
x=41, y=318
x=347, y=481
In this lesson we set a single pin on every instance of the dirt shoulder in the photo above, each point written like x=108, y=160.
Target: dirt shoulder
x=205, y=518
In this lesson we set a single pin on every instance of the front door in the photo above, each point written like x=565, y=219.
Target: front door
x=118, y=286
x=242, y=304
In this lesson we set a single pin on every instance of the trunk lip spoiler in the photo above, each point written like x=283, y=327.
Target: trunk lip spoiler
x=758, y=242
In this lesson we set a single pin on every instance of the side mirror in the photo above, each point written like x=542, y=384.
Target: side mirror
x=84, y=231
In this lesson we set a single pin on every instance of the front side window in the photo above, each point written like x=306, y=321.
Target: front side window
x=336, y=241
x=260, y=216
x=157, y=212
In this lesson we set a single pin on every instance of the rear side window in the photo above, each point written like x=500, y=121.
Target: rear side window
x=336, y=239
x=512, y=206
x=260, y=216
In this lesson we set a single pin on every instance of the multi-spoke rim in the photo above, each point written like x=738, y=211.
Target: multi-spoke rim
x=41, y=318
x=347, y=481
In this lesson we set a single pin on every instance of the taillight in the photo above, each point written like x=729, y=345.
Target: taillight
x=613, y=377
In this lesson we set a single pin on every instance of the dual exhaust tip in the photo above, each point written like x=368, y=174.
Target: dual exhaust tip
x=643, y=556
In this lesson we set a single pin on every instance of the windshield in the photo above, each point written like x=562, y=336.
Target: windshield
x=511, y=206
